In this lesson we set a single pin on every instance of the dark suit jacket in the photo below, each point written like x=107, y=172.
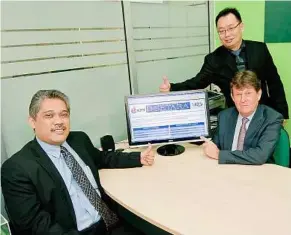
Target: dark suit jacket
x=36, y=197
x=219, y=68
x=260, y=140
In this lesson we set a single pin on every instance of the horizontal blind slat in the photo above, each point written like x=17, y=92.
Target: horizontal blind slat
x=22, y=53
x=61, y=64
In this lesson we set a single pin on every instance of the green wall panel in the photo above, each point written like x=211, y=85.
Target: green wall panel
x=277, y=21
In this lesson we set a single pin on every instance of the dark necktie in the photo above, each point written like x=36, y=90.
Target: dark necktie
x=109, y=217
x=240, y=63
x=242, y=134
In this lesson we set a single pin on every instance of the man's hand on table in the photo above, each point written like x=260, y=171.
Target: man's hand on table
x=209, y=148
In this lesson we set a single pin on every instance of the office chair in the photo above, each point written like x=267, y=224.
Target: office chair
x=282, y=150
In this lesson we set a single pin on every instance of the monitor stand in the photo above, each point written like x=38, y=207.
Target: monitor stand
x=197, y=142
x=170, y=150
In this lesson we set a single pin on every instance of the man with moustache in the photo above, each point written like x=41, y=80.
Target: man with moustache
x=52, y=186
x=234, y=55
x=248, y=132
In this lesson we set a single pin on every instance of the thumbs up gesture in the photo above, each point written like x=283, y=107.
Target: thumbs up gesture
x=147, y=157
x=165, y=86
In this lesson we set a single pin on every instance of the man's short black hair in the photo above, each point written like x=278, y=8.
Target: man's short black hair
x=227, y=11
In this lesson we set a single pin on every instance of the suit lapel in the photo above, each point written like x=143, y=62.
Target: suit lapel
x=255, y=125
x=249, y=52
x=80, y=149
x=44, y=161
x=231, y=123
x=229, y=61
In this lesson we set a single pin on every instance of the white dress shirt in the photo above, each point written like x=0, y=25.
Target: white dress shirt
x=237, y=129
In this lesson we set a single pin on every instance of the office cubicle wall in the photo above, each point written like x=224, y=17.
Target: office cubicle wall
x=167, y=39
x=80, y=49
x=3, y=158
x=76, y=47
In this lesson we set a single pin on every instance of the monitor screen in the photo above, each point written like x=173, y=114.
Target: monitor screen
x=167, y=117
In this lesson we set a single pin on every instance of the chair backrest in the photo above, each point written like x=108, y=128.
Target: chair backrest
x=282, y=150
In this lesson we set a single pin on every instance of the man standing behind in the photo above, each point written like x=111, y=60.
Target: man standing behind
x=234, y=55
x=248, y=132
x=52, y=186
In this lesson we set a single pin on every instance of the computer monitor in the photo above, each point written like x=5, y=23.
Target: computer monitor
x=167, y=118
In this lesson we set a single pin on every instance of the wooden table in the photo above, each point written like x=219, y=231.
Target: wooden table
x=192, y=194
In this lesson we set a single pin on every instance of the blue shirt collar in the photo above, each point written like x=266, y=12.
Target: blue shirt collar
x=249, y=117
x=52, y=150
x=237, y=52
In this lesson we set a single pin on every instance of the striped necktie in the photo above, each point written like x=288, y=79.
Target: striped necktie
x=240, y=63
x=109, y=217
x=242, y=134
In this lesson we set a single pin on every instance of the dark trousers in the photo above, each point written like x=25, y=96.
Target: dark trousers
x=100, y=229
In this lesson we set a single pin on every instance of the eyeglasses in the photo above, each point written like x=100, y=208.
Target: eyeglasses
x=229, y=30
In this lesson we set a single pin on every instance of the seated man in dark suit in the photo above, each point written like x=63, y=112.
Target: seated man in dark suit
x=52, y=186
x=234, y=55
x=248, y=132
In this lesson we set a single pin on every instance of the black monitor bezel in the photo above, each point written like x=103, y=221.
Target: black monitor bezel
x=165, y=141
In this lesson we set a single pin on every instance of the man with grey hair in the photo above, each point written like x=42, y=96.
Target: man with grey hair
x=248, y=132
x=52, y=186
